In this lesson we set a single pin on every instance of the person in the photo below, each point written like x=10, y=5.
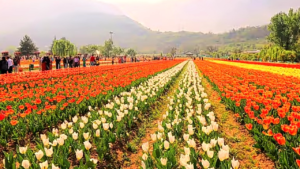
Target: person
x=92, y=60
x=65, y=62
x=40, y=63
x=76, y=61
x=16, y=64
x=202, y=58
x=84, y=61
x=57, y=62
x=70, y=61
x=3, y=65
x=10, y=64
x=47, y=61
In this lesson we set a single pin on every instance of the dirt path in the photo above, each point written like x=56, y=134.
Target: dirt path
x=238, y=138
x=160, y=109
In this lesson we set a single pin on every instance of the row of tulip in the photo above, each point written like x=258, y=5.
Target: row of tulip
x=84, y=140
x=272, y=69
x=37, y=105
x=285, y=65
x=268, y=105
x=187, y=137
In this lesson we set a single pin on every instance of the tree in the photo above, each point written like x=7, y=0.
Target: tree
x=27, y=47
x=131, y=52
x=107, y=48
x=285, y=29
x=117, y=51
x=52, y=44
x=173, y=52
x=63, y=47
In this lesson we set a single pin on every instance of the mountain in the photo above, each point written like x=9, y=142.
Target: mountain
x=89, y=22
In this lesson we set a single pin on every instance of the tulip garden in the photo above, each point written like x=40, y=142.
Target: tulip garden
x=80, y=117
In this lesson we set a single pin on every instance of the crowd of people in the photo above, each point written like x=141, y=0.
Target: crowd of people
x=9, y=64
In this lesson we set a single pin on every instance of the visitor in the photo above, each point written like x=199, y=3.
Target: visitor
x=84, y=61
x=3, y=65
x=10, y=64
x=92, y=60
x=76, y=61
x=70, y=61
x=47, y=61
x=65, y=62
x=57, y=62
x=112, y=60
x=40, y=63
x=16, y=64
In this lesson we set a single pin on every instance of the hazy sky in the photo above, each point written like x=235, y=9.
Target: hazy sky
x=163, y=15
x=202, y=15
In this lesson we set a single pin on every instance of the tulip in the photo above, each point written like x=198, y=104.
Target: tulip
x=111, y=125
x=84, y=119
x=119, y=118
x=87, y=145
x=71, y=131
x=103, y=120
x=95, y=126
x=86, y=136
x=22, y=150
x=44, y=165
x=75, y=136
x=184, y=159
x=163, y=161
x=221, y=141
x=187, y=150
x=55, y=167
x=145, y=157
x=143, y=165
x=205, y=146
x=168, y=125
x=189, y=166
x=60, y=141
x=81, y=125
x=54, y=143
x=213, y=142
x=98, y=122
x=172, y=139
x=153, y=137
x=191, y=131
x=63, y=126
x=26, y=164
x=235, y=163
x=43, y=136
x=63, y=136
x=223, y=155
x=39, y=155
x=49, y=152
x=98, y=133
x=79, y=154
x=192, y=143
x=166, y=145
x=74, y=119
x=105, y=126
x=186, y=137
x=210, y=154
x=95, y=161
x=145, y=147
x=55, y=131
x=159, y=135
x=205, y=163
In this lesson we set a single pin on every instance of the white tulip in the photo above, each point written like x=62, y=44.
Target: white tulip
x=111, y=125
x=235, y=163
x=205, y=146
x=63, y=136
x=74, y=119
x=192, y=143
x=187, y=150
x=84, y=119
x=54, y=143
x=189, y=166
x=105, y=126
x=213, y=142
x=23, y=150
x=55, y=167
x=39, y=155
x=87, y=145
x=143, y=165
x=49, y=152
x=145, y=147
x=172, y=139
x=145, y=157
x=159, y=135
x=44, y=165
x=153, y=137
x=63, y=126
x=86, y=136
x=166, y=145
x=221, y=141
x=205, y=163
x=98, y=133
x=186, y=137
x=75, y=136
x=103, y=120
x=26, y=164
x=210, y=154
x=79, y=154
x=43, y=136
x=81, y=125
x=163, y=161
x=223, y=155
x=71, y=130
x=60, y=141
x=95, y=161
x=98, y=122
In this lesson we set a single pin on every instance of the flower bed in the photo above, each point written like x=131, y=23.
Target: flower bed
x=32, y=106
x=268, y=105
x=81, y=141
x=188, y=135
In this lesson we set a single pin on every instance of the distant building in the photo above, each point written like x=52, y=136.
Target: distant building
x=189, y=54
x=252, y=51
